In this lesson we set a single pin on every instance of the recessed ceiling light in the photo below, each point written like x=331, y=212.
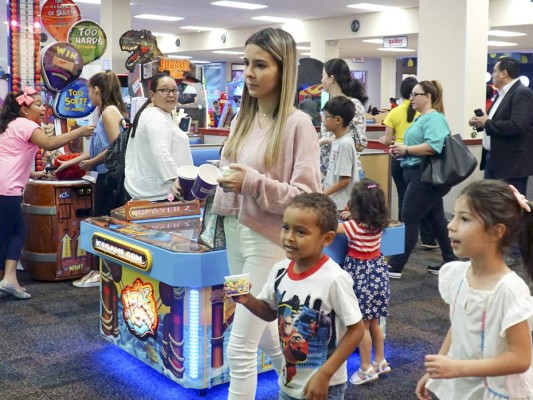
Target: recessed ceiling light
x=303, y=47
x=88, y=1
x=370, y=7
x=238, y=4
x=228, y=52
x=497, y=43
x=273, y=19
x=200, y=62
x=305, y=54
x=376, y=41
x=505, y=33
x=199, y=28
x=178, y=56
x=158, y=17
x=401, y=50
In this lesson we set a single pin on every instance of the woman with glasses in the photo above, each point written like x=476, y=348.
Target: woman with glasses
x=422, y=139
x=157, y=147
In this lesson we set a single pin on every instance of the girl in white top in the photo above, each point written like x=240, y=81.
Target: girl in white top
x=157, y=147
x=487, y=351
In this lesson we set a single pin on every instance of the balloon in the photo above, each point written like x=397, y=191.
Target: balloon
x=89, y=38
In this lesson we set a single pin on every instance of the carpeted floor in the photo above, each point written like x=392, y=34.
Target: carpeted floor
x=50, y=346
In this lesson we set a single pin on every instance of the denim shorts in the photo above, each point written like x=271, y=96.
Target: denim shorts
x=334, y=393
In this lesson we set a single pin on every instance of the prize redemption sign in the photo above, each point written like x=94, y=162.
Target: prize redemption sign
x=90, y=40
x=175, y=67
x=61, y=65
x=73, y=101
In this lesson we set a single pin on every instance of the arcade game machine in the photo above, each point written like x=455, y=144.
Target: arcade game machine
x=233, y=103
x=162, y=297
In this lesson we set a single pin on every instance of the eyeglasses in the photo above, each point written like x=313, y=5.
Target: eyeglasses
x=166, y=92
x=413, y=95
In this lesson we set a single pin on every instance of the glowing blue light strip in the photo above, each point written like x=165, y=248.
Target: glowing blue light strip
x=194, y=345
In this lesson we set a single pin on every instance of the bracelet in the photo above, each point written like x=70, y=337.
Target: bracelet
x=406, y=150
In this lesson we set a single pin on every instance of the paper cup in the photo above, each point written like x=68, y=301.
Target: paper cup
x=206, y=181
x=186, y=176
x=235, y=285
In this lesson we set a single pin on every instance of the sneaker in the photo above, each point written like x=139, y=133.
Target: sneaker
x=361, y=377
x=394, y=274
x=429, y=246
x=382, y=368
x=7, y=287
x=89, y=280
x=434, y=269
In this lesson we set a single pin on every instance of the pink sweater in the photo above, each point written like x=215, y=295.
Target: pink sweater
x=266, y=194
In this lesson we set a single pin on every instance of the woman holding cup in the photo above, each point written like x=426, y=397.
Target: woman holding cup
x=157, y=147
x=273, y=155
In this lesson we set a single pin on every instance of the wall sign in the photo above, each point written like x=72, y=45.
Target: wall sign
x=395, y=41
x=62, y=64
x=58, y=16
x=73, y=101
x=89, y=38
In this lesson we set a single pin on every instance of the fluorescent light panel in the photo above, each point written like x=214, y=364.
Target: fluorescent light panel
x=497, y=43
x=158, y=17
x=199, y=62
x=303, y=48
x=393, y=49
x=370, y=7
x=199, y=28
x=273, y=19
x=177, y=56
x=228, y=52
x=505, y=33
x=88, y=1
x=238, y=4
x=376, y=41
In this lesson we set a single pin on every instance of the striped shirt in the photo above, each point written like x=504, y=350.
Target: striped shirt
x=362, y=244
x=100, y=142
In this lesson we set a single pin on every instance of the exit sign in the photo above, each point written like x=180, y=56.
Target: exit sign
x=395, y=41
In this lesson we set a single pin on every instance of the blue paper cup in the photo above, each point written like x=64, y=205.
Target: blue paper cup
x=206, y=181
x=186, y=176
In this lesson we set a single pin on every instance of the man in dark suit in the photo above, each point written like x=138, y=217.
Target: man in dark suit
x=508, y=140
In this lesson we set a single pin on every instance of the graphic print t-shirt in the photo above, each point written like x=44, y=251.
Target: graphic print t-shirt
x=313, y=310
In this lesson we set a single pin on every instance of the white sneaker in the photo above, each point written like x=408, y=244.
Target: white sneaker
x=89, y=280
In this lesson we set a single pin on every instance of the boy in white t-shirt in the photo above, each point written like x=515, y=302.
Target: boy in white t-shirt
x=342, y=168
x=312, y=298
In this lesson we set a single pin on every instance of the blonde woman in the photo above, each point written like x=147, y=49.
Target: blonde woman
x=273, y=150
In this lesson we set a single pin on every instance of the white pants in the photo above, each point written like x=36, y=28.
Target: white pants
x=250, y=252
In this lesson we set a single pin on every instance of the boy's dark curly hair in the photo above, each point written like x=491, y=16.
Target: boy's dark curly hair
x=324, y=208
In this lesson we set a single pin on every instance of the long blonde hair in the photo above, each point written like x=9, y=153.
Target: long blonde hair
x=282, y=47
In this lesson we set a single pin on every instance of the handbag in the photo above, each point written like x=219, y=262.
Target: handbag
x=212, y=231
x=453, y=165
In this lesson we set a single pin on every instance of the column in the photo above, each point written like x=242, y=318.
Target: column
x=115, y=19
x=388, y=80
x=452, y=48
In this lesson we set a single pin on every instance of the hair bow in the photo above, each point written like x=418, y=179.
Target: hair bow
x=522, y=201
x=25, y=98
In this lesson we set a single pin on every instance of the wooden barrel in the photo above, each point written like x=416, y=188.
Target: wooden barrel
x=53, y=211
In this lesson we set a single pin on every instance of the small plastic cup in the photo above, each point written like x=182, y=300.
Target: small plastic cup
x=236, y=285
x=227, y=171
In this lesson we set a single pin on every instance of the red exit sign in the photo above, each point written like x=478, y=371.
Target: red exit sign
x=395, y=41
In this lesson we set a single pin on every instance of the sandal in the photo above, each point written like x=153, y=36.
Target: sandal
x=382, y=368
x=361, y=377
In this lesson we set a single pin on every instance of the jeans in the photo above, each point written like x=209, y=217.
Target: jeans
x=426, y=230
x=422, y=200
x=334, y=393
x=519, y=183
x=250, y=252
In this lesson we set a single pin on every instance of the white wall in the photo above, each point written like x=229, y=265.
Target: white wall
x=372, y=66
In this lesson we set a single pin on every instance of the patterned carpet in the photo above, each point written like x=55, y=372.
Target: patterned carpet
x=50, y=346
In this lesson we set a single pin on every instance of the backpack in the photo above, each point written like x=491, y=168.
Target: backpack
x=115, y=162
